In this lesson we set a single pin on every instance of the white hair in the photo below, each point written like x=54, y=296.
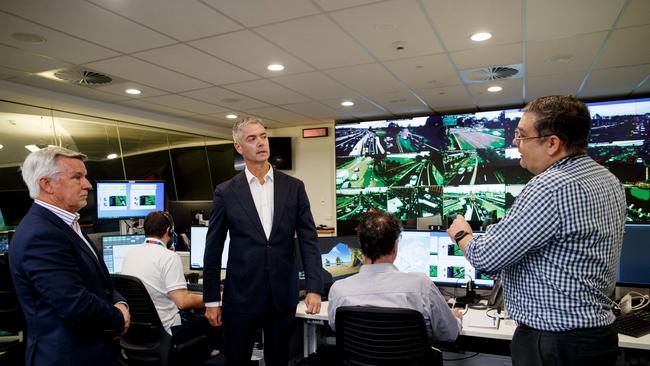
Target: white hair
x=239, y=126
x=42, y=163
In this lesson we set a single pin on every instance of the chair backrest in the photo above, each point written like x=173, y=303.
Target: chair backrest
x=368, y=335
x=147, y=340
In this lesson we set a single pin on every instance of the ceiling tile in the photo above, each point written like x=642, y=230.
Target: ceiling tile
x=369, y=79
x=87, y=21
x=6, y=73
x=425, y=72
x=26, y=61
x=635, y=14
x=251, y=52
x=120, y=88
x=279, y=114
x=172, y=17
x=216, y=120
x=192, y=62
x=316, y=40
x=225, y=98
x=554, y=84
x=456, y=21
x=58, y=45
x=551, y=19
x=401, y=102
x=141, y=104
x=447, y=98
x=378, y=26
x=616, y=81
x=317, y=110
x=361, y=109
x=579, y=52
x=148, y=74
x=185, y=103
x=267, y=91
x=487, y=56
x=329, y=5
x=327, y=88
x=257, y=12
x=510, y=95
x=644, y=88
x=62, y=87
x=629, y=46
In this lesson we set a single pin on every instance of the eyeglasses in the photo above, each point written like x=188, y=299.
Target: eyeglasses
x=519, y=138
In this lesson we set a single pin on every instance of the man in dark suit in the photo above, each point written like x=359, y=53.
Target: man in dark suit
x=263, y=209
x=73, y=313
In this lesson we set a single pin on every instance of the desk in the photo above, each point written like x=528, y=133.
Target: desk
x=505, y=331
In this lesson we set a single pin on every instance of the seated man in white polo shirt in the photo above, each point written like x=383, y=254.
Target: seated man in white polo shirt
x=161, y=271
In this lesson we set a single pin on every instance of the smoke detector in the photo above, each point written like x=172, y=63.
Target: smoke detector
x=487, y=74
x=82, y=77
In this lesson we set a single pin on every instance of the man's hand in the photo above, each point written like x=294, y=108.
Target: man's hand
x=457, y=313
x=214, y=315
x=312, y=300
x=459, y=224
x=125, y=314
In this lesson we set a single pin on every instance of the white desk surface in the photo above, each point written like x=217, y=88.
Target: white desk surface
x=505, y=331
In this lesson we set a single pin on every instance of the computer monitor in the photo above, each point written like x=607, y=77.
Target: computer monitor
x=129, y=199
x=340, y=255
x=633, y=269
x=115, y=247
x=4, y=243
x=197, y=247
x=436, y=255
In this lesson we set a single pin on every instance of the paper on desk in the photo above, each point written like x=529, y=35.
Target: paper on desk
x=480, y=320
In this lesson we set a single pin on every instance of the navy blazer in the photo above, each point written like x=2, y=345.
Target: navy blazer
x=258, y=267
x=65, y=292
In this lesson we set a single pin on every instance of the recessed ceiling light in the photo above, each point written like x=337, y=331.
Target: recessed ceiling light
x=28, y=37
x=347, y=103
x=232, y=116
x=32, y=148
x=111, y=156
x=1, y=146
x=480, y=37
x=275, y=67
x=494, y=89
x=133, y=91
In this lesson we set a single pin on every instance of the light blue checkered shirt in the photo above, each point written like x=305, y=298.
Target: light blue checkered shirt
x=558, y=249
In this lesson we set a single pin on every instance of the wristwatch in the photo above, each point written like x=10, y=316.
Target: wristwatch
x=460, y=235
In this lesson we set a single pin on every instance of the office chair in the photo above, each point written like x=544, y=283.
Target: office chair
x=147, y=341
x=368, y=335
x=12, y=322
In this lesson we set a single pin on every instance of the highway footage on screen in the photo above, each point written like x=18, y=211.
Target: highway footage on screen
x=472, y=160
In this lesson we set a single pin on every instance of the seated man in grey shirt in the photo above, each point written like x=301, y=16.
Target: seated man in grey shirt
x=380, y=283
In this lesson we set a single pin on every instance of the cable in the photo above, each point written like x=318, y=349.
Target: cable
x=461, y=358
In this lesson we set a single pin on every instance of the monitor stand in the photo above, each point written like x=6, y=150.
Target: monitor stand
x=470, y=297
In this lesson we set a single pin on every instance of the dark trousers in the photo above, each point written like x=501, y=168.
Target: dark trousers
x=592, y=346
x=194, y=324
x=240, y=330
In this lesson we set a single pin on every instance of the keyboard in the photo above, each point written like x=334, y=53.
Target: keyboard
x=195, y=287
x=635, y=324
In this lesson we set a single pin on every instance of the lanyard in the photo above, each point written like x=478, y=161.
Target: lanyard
x=155, y=241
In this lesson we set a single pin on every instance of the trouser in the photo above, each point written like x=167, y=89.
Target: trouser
x=240, y=329
x=591, y=346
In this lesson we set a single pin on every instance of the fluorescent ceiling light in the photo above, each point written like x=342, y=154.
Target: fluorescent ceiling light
x=32, y=148
x=133, y=91
x=347, y=103
x=494, y=89
x=275, y=67
x=111, y=156
x=480, y=37
x=232, y=116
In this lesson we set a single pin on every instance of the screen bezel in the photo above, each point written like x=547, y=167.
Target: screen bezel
x=130, y=182
x=618, y=270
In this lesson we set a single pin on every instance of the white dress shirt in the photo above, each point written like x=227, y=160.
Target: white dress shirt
x=263, y=198
x=72, y=219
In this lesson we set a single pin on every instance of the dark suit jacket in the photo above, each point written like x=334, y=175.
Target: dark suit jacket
x=65, y=292
x=257, y=266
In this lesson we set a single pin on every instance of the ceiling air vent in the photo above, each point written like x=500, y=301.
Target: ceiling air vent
x=486, y=74
x=82, y=77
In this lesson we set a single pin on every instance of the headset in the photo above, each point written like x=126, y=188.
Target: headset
x=172, y=234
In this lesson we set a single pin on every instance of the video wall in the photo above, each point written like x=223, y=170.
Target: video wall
x=468, y=164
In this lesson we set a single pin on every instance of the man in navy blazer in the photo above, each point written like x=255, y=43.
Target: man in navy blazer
x=263, y=209
x=74, y=315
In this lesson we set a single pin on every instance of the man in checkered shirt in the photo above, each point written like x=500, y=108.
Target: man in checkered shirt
x=558, y=248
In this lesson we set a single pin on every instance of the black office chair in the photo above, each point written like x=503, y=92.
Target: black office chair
x=12, y=322
x=147, y=341
x=368, y=335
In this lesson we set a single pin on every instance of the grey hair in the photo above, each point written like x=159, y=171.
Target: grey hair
x=42, y=163
x=239, y=126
